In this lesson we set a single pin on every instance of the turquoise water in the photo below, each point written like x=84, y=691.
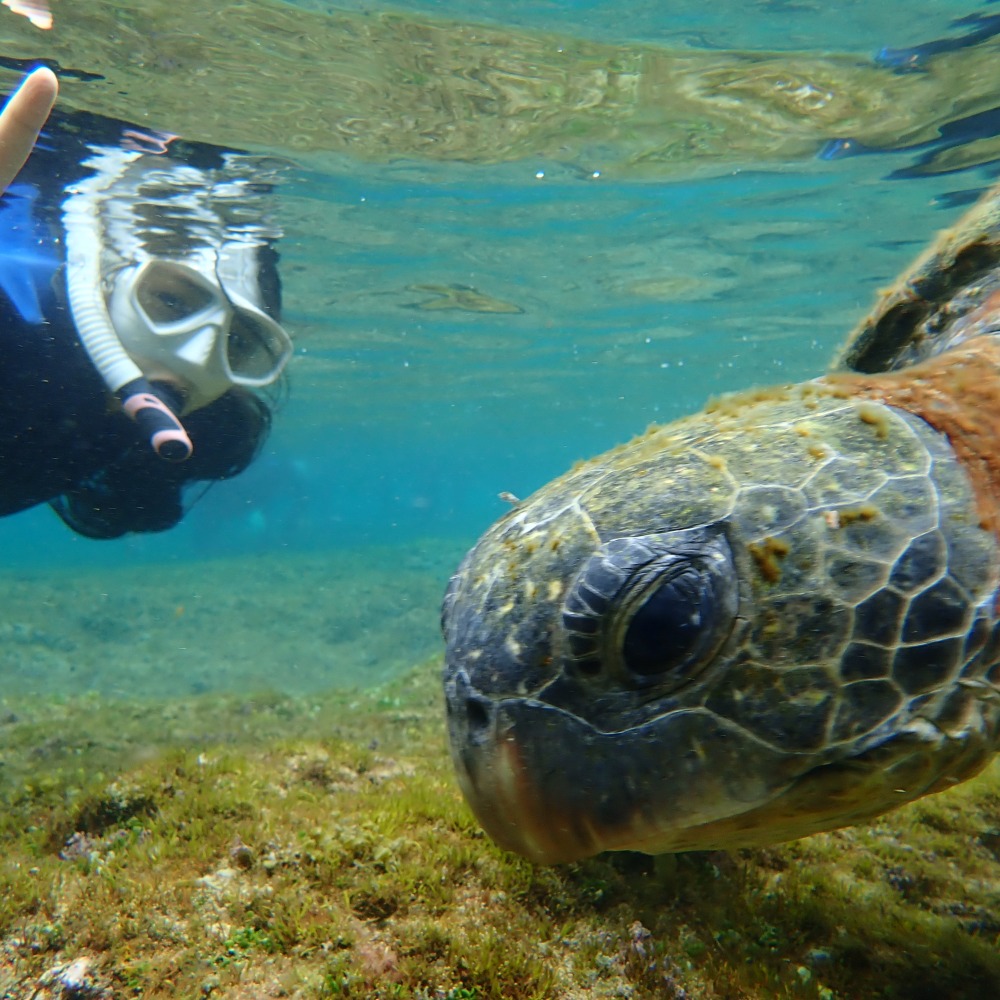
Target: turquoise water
x=854, y=26
x=614, y=288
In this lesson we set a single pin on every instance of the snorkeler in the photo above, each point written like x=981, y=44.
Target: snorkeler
x=139, y=305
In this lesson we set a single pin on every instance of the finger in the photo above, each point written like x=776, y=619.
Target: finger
x=22, y=120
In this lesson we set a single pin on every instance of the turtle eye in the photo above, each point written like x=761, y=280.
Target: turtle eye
x=674, y=625
x=652, y=609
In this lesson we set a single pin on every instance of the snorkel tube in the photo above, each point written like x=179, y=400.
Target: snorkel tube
x=142, y=402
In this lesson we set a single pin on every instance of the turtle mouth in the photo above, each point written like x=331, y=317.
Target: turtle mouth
x=522, y=804
x=549, y=786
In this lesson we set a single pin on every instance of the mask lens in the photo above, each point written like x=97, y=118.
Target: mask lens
x=170, y=295
x=257, y=348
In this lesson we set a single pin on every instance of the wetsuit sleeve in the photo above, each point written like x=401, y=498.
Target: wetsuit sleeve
x=125, y=497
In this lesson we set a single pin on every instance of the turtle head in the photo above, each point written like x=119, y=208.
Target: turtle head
x=562, y=670
x=663, y=652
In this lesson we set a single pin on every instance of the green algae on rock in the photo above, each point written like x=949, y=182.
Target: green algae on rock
x=225, y=859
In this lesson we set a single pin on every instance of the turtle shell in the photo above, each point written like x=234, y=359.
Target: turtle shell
x=921, y=314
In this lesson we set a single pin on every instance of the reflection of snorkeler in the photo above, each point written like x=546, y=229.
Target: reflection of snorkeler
x=917, y=58
x=966, y=130
x=960, y=132
x=139, y=302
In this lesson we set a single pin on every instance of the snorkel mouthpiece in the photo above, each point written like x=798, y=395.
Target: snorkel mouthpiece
x=156, y=420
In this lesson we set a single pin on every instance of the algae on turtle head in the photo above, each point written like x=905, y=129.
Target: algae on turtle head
x=772, y=618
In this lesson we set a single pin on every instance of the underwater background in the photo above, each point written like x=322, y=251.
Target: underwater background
x=516, y=234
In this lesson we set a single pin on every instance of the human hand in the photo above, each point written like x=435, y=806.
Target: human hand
x=22, y=120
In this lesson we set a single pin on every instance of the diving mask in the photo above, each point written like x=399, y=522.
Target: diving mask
x=178, y=324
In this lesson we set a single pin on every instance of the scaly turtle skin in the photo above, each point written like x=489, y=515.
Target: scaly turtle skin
x=775, y=617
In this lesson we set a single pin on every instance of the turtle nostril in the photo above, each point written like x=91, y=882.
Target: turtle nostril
x=477, y=715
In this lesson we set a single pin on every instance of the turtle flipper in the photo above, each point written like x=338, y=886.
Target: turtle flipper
x=950, y=293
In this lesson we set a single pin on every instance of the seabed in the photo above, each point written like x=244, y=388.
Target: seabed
x=315, y=844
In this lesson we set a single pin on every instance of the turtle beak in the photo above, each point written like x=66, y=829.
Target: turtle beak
x=546, y=784
x=526, y=805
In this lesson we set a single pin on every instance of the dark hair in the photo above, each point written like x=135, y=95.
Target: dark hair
x=142, y=492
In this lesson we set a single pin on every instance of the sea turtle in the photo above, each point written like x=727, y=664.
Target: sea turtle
x=775, y=617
